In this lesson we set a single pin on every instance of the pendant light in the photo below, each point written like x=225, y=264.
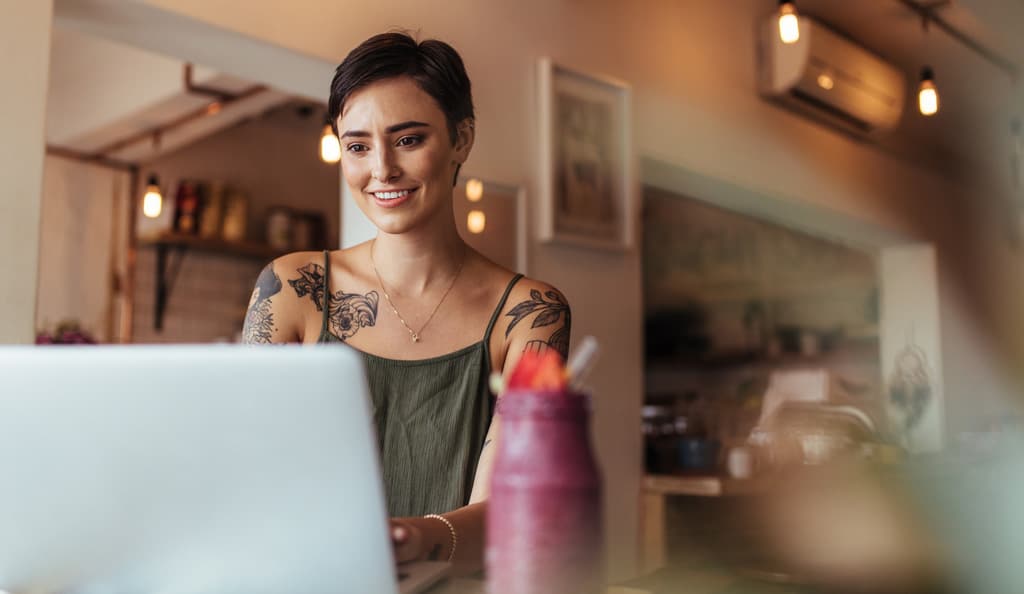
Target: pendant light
x=152, y=201
x=330, y=147
x=789, y=22
x=928, y=94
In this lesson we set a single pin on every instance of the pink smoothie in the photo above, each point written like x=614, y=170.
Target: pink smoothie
x=544, y=513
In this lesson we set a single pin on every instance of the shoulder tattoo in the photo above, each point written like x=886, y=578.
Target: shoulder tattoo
x=547, y=309
x=348, y=312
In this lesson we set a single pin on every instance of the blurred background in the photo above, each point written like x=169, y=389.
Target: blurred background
x=811, y=322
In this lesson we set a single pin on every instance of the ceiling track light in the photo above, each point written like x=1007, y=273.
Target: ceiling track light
x=929, y=13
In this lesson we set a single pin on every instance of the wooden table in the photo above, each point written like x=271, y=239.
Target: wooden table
x=656, y=488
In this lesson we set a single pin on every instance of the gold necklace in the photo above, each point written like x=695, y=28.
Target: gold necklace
x=415, y=335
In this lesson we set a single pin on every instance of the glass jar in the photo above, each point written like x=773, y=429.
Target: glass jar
x=544, y=513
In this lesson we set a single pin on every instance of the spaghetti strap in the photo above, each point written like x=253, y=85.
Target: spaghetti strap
x=497, y=310
x=327, y=292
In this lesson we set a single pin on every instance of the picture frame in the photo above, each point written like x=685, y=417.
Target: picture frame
x=587, y=181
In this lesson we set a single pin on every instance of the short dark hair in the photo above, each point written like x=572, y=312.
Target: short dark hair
x=434, y=65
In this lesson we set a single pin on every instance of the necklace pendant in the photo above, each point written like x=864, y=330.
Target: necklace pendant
x=415, y=337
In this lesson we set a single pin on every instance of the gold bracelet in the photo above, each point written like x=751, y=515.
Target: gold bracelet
x=451, y=529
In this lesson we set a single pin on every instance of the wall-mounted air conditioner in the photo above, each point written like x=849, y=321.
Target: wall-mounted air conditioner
x=829, y=77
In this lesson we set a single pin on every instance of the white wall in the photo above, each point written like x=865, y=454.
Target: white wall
x=24, y=64
x=95, y=82
x=692, y=66
x=80, y=244
x=912, y=344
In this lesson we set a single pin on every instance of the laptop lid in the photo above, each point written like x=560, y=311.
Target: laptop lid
x=188, y=469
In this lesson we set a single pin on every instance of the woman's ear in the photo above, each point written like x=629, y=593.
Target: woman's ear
x=465, y=134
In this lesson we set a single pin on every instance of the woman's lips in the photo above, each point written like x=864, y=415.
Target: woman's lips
x=385, y=199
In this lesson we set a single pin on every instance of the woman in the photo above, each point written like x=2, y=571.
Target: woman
x=431, y=316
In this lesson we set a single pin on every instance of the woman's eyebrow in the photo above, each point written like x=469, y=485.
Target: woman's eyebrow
x=389, y=129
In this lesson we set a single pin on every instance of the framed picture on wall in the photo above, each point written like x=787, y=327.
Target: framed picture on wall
x=587, y=171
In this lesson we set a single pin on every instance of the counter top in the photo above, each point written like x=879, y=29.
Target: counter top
x=700, y=485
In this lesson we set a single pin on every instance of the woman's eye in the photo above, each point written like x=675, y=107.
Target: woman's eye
x=409, y=140
x=355, y=148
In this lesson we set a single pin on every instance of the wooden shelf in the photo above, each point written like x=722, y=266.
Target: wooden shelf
x=243, y=249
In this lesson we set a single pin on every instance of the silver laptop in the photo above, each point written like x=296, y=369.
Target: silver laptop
x=191, y=469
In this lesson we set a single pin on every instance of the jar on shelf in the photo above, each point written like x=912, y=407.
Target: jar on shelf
x=279, y=228
x=235, y=220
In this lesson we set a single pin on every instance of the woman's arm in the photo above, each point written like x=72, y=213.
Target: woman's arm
x=539, y=318
x=536, y=318
x=273, y=315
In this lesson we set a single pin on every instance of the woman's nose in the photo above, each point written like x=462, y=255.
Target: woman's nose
x=384, y=168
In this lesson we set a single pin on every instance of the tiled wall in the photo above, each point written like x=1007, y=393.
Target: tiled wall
x=207, y=301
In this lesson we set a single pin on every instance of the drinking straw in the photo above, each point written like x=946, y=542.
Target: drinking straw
x=581, y=361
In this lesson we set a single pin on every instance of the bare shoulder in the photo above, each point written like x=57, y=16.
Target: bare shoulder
x=273, y=315
x=307, y=275
x=294, y=260
x=536, y=317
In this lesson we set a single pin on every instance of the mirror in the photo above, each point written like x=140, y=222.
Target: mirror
x=488, y=217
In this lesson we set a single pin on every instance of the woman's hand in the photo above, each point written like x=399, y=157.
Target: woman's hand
x=408, y=540
x=430, y=538
x=420, y=539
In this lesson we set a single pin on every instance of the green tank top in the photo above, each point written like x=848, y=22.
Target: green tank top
x=431, y=417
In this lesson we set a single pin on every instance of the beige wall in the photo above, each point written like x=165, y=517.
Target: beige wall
x=24, y=64
x=695, y=108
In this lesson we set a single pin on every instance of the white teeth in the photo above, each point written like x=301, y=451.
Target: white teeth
x=390, y=195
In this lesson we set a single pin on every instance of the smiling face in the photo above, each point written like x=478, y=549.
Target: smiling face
x=398, y=158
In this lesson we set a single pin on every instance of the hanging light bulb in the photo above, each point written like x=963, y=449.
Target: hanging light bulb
x=789, y=23
x=474, y=190
x=476, y=221
x=928, y=94
x=330, y=147
x=152, y=201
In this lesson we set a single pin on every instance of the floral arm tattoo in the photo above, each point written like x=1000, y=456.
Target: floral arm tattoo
x=548, y=312
x=259, y=319
x=348, y=312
